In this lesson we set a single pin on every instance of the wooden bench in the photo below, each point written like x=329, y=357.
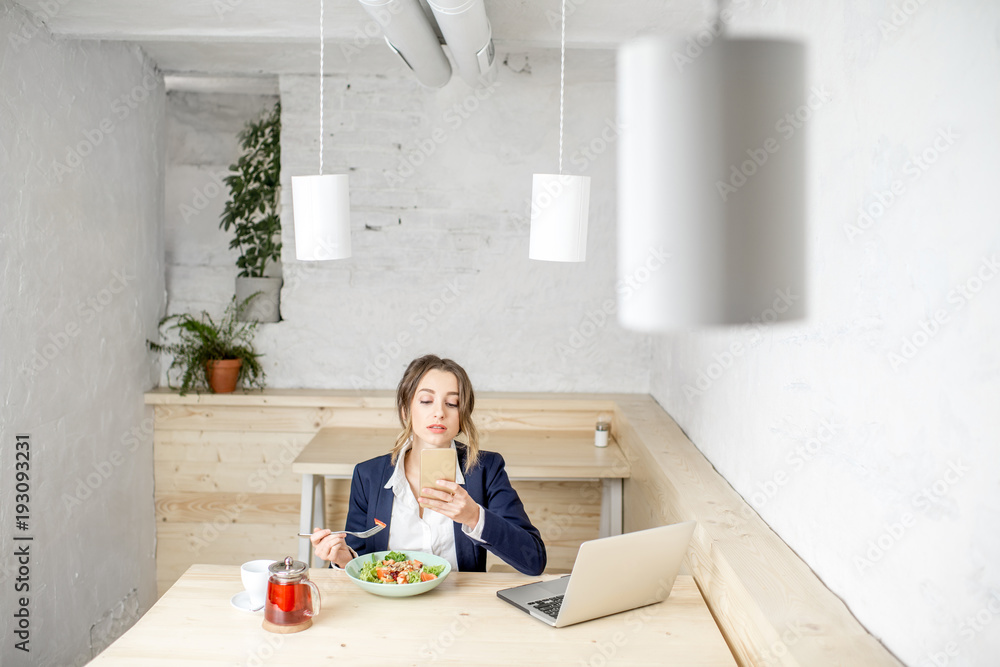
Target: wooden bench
x=772, y=609
x=225, y=493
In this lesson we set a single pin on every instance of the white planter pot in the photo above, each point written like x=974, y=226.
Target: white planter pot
x=265, y=306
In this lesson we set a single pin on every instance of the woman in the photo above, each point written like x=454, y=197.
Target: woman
x=479, y=512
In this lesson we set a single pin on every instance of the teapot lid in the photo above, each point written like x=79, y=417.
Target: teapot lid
x=288, y=568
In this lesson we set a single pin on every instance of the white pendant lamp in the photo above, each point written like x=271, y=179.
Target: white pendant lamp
x=322, y=217
x=711, y=183
x=321, y=203
x=560, y=203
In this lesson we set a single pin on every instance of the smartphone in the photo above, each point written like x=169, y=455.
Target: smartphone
x=437, y=464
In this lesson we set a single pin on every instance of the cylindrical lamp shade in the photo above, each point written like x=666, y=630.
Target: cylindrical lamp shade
x=560, y=205
x=711, y=183
x=322, y=210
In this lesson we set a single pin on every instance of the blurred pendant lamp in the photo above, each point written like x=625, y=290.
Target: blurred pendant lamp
x=711, y=181
x=559, y=203
x=321, y=203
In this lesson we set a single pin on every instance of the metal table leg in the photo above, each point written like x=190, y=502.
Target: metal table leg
x=311, y=514
x=611, y=506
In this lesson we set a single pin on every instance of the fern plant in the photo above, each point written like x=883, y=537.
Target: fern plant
x=252, y=209
x=201, y=339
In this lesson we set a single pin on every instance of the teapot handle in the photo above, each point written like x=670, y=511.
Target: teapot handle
x=314, y=596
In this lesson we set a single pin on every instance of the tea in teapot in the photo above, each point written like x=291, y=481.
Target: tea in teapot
x=292, y=600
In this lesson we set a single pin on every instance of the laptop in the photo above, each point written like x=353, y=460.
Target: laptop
x=610, y=575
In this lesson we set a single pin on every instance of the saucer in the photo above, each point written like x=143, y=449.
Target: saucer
x=242, y=601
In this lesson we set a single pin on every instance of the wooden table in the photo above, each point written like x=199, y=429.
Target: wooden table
x=529, y=455
x=461, y=622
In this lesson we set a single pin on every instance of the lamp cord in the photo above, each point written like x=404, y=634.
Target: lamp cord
x=562, y=81
x=321, y=87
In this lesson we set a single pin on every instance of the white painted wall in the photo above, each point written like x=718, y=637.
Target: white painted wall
x=440, y=252
x=837, y=429
x=81, y=290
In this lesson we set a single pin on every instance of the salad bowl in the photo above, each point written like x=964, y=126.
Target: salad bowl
x=353, y=570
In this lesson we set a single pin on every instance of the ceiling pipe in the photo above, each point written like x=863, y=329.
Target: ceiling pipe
x=409, y=33
x=466, y=30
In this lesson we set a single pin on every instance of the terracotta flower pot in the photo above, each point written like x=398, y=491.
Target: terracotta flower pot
x=223, y=374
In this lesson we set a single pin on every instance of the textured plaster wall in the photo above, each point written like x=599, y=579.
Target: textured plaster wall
x=81, y=154
x=866, y=436
x=440, y=195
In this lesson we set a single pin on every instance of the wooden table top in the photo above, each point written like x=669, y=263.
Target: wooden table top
x=461, y=622
x=560, y=455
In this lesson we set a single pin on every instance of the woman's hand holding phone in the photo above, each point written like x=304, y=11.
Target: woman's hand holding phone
x=451, y=500
x=438, y=490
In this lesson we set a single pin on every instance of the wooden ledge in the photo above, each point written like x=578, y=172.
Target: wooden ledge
x=308, y=410
x=299, y=398
x=384, y=398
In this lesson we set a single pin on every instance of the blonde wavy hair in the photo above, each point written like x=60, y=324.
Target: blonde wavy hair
x=407, y=389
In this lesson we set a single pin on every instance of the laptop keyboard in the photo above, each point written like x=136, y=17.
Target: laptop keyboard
x=548, y=606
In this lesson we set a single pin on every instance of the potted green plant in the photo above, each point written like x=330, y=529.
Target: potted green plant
x=218, y=356
x=252, y=214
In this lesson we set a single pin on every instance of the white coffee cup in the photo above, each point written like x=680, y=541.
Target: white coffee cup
x=255, y=574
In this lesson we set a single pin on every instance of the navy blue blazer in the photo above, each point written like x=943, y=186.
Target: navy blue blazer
x=507, y=532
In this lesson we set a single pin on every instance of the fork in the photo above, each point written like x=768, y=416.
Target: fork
x=363, y=534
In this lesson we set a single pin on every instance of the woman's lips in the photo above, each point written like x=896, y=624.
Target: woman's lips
x=436, y=427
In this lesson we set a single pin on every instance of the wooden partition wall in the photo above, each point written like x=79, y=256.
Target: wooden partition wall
x=225, y=491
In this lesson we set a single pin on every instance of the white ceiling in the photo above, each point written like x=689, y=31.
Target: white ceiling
x=259, y=38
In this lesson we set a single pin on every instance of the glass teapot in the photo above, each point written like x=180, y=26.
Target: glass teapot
x=292, y=600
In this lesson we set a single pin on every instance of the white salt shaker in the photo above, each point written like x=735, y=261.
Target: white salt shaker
x=601, y=432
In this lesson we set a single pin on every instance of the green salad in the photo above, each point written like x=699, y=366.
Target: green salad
x=396, y=568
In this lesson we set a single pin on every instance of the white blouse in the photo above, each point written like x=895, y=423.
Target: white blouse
x=432, y=533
